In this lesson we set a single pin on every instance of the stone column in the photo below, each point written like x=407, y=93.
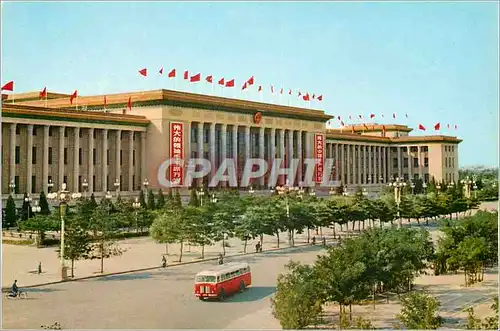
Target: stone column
x=45, y=166
x=410, y=164
x=29, y=161
x=359, y=164
x=144, y=170
x=379, y=149
x=370, y=164
x=91, y=161
x=76, y=159
x=118, y=169
x=104, y=179
x=272, y=154
x=247, y=148
x=201, y=143
x=337, y=162
x=211, y=150
x=131, y=161
x=420, y=163
x=400, y=163
x=282, y=154
x=290, y=158
x=262, y=179
x=383, y=165
x=223, y=128
x=299, y=156
x=349, y=180
x=365, y=164
x=12, y=160
x=61, y=155
x=235, y=147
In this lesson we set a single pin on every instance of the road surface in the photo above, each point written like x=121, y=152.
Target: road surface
x=161, y=299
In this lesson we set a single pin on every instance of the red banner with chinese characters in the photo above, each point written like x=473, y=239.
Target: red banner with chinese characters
x=319, y=155
x=176, y=153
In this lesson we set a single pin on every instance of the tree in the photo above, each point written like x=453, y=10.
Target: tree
x=26, y=211
x=151, y=200
x=142, y=199
x=193, y=198
x=41, y=224
x=419, y=312
x=43, y=204
x=161, y=200
x=164, y=228
x=297, y=303
x=76, y=244
x=177, y=199
x=10, y=216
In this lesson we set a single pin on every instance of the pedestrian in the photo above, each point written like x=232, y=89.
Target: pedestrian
x=314, y=240
x=39, y=267
x=164, y=261
x=324, y=241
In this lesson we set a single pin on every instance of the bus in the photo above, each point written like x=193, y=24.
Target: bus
x=222, y=280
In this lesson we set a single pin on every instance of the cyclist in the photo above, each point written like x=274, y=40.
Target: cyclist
x=221, y=259
x=14, y=292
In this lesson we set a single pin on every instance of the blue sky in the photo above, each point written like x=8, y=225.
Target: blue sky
x=436, y=62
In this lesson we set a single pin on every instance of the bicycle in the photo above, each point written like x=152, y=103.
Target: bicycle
x=20, y=295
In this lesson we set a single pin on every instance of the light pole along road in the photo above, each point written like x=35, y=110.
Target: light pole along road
x=157, y=299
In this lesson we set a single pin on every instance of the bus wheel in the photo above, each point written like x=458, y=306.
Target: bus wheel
x=242, y=286
x=222, y=295
x=201, y=298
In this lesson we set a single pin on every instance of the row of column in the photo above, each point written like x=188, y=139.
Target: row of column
x=76, y=166
x=276, y=148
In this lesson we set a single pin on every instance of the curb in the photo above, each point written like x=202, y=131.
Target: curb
x=7, y=289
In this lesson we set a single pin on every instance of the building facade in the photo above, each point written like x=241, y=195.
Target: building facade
x=102, y=143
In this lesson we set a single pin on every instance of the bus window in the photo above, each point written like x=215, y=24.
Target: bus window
x=205, y=279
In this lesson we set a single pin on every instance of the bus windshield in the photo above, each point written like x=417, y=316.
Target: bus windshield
x=205, y=279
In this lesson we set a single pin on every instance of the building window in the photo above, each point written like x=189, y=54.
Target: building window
x=33, y=155
x=121, y=157
x=107, y=183
x=34, y=130
x=80, y=133
x=95, y=134
x=133, y=157
x=18, y=129
x=79, y=183
x=405, y=177
x=426, y=162
x=18, y=154
x=395, y=162
x=453, y=162
x=133, y=182
x=414, y=149
x=415, y=162
x=33, y=184
x=50, y=131
x=107, y=156
x=405, y=162
x=426, y=178
x=424, y=149
x=65, y=132
x=80, y=156
x=206, y=136
x=93, y=182
x=94, y=157
x=65, y=155
x=65, y=179
x=50, y=155
x=16, y=182
x=194, y=136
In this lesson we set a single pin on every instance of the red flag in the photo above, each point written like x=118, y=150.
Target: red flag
x=339, y=118
x=186, y=74
x=456, y=126
x=144, y=72
x=250, y=81
x=360, y=116
x=372, y=115
x=281, y=91
x=299, y=94
x=448, y=126
x=260, y=88
x=306, y=97
x=105, y=101
x=350, y=117
x=221, y=81
x=393, y=115
x=171, y=74
x=382, y=115
x=341, y=123
x=230, y=83
x=272, y=89
x=209, y=79
x=73, y=96
x=43, y=94
x=290, y=91
x=8, y=86
x=421, y=127
x=129, y=103
x=314, y=96
x=195, y=78
x=320, y=98
x=161, y=71
x=244, y=86
x=406, y=115
x=437, y=126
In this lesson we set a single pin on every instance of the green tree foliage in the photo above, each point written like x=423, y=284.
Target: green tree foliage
x=26, y=211
x=77, y=244
x=171, y=226
x=151, y=200
x=419, y=311
x=193, y=198
x=41, y=224
x=177, y=199
x=44, y=204
x=10, y=214
x=160, y=203
x=142, y=199
x=297, y=302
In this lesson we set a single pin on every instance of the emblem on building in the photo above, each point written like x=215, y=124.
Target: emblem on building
x=257, y=117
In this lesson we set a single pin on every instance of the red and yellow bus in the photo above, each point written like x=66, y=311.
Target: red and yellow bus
x=222, y=280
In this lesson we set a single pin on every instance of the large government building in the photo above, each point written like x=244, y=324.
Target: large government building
x=101, y=143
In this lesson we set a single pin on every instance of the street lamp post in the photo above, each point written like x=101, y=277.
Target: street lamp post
x=117, y=187
x=50, y=185
x=251, y=191
x=344, y=191
x=63, y=196
x=85, y=186
x=145, y=183
x=36, y=208
x=201, y=193
x=136, y=205
x=12, y=186
x=438, y=187
x=284, y=190
x=424, y=186
x=467, y=183
x=398, y=188
x=412, y=188
x=28, y=200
